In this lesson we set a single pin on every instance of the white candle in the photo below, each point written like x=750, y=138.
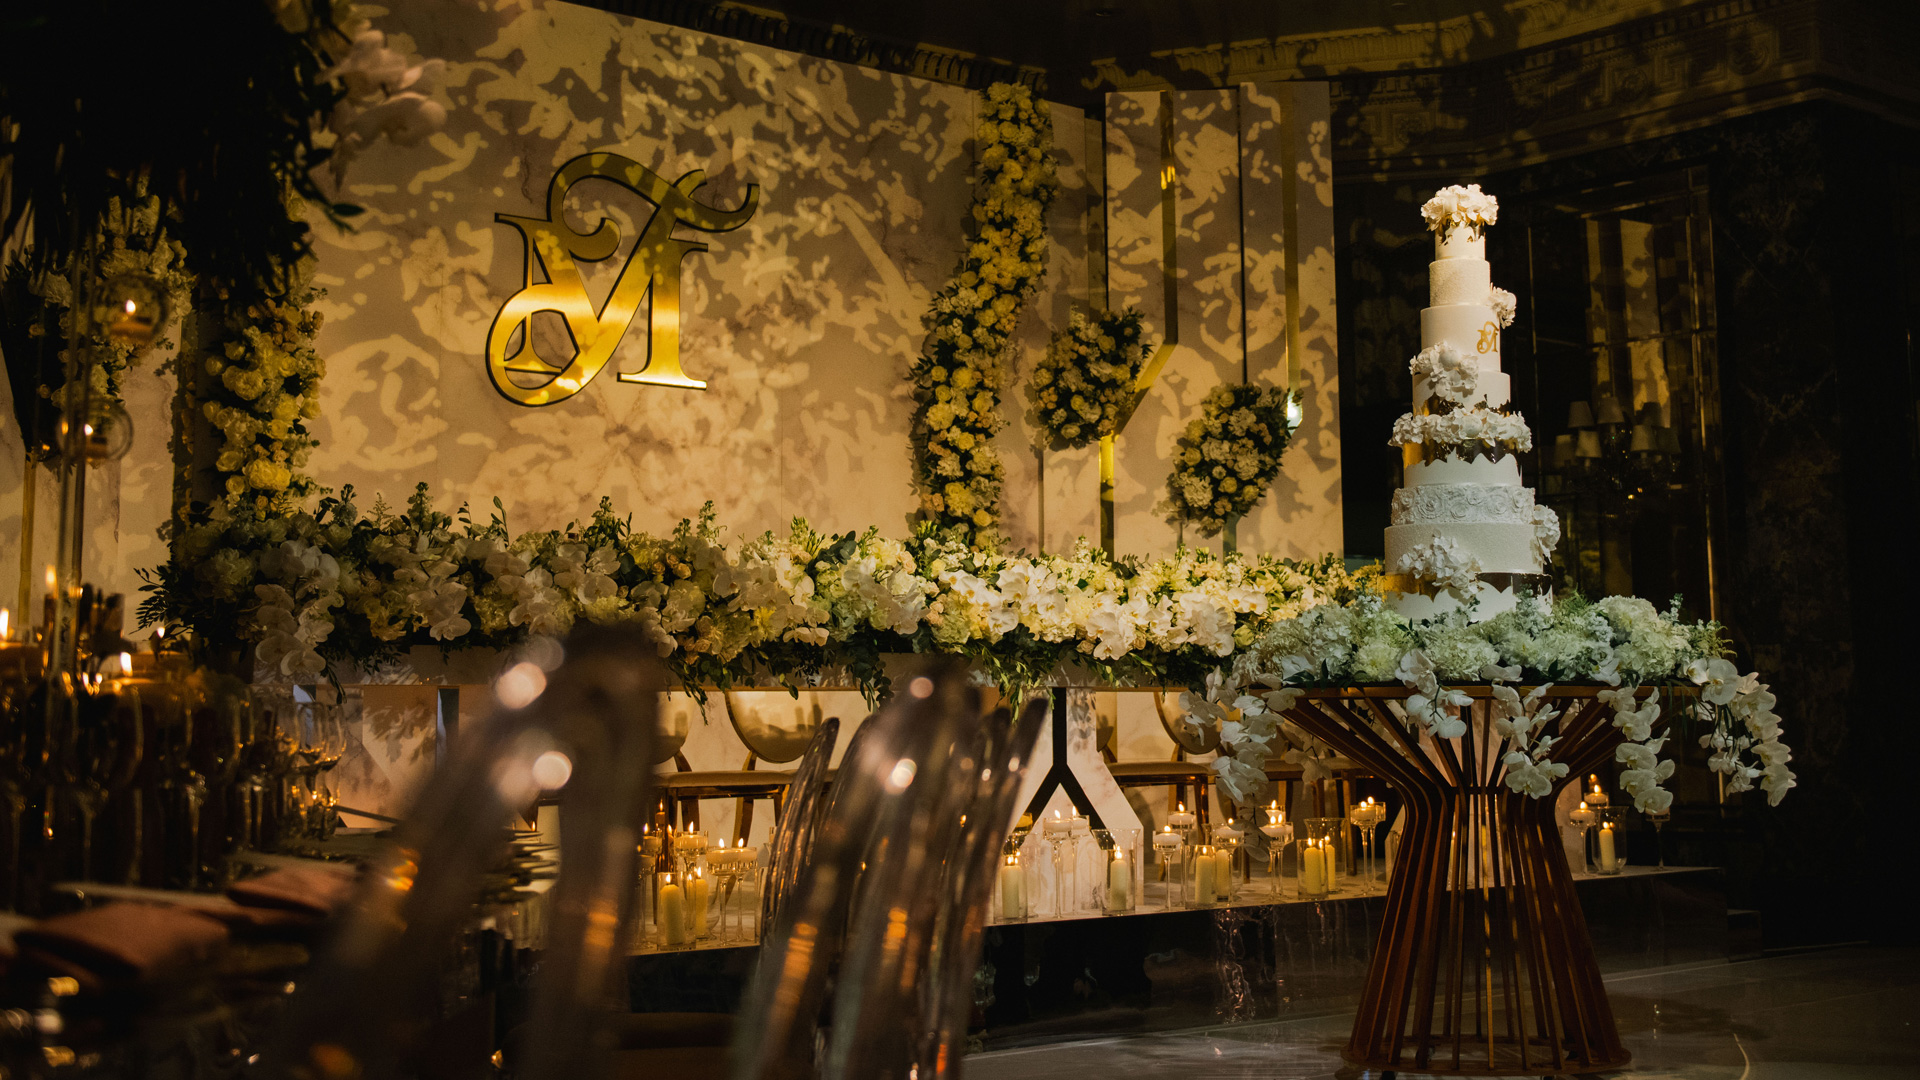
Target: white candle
x=1119, y=883
x=1056, y=824
x=697, y=892
x=1223, y=872
x=1013, y=897
x=1313, y=873
x=1166, y=840
x=672, y=915
x=1181, y=818
x=1203, y=874
x=1606, y=848
x=1330, y=861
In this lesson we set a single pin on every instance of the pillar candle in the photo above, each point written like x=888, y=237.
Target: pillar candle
x=672, y=914
x=1203, y=872
x=1013, y=897
x=1313, y=874
x=697, y=893
x=1606, y=847
x=1119, y=883
x=1223, y=872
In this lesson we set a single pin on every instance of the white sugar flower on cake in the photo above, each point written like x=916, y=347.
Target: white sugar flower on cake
x=1504, y=305
x=1460, y=205
x=1451, y=375
x=1442, y=562
x=1466, y=434
x=1546, y=532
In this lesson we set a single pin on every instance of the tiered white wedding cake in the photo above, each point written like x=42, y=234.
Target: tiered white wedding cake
x=1464, y=531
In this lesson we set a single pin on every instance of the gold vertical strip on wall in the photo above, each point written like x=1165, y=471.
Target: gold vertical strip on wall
x=1293, y=139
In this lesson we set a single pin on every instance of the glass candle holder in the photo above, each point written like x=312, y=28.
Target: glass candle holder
x=1122, y=861
x=1170, y=860
x=1368, y=817
x=1203, y=889
x=1184, y=822
x=1319, y=875
x=670, y=910
x=1658, y=819
x=1226, y=849
x=1060, y=839
x=1610, y=841
x=1583, y=819
x=689, y=850
x=1326, y=835
x=1010, y=884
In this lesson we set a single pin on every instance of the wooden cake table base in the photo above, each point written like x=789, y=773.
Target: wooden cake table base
x=1483, y=966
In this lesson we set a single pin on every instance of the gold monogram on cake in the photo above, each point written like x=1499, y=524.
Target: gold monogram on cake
x=1490, y=337
x=651, y=276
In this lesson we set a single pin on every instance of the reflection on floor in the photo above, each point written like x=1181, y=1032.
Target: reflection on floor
x=1841, y=1014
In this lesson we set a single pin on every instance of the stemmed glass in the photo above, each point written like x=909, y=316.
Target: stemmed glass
x=1659, y=818
x=1583, y=819
x=1279, y=833
x=1368, y=817
x=221, y=711
x=730, y=866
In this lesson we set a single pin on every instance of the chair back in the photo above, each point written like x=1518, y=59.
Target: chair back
x=961, y=932
x=791, y=844
x=776, y=731
x=869, y=894
x=589, y=734
x=1191, y=737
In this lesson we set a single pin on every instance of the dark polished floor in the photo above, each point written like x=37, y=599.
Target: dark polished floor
x=1840, y=1014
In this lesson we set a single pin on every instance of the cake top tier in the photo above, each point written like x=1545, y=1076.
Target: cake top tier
x=1460, y=207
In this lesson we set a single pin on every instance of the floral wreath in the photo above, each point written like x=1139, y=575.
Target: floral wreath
x=1084, y=383
x=957, y=377
x=1228, y=456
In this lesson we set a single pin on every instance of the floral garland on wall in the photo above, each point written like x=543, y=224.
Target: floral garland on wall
x=1083, y=384
x=263, y=385
x=1622, y=642
x=1228, y=456
x=958, y=375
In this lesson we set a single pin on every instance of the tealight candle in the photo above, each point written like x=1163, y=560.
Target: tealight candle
x=1181, y=818
x=1166, y=839
x=1057, y=825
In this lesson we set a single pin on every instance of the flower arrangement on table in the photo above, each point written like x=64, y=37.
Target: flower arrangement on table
x=1228, y=456
x=957, y=377
x=1622, y=643
x=1084, y=384
x=341, y=585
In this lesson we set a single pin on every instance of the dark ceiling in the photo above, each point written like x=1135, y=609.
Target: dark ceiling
x=1052, y=43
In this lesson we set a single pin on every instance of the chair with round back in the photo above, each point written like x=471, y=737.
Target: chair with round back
x=767, y=740
x=1187, y=781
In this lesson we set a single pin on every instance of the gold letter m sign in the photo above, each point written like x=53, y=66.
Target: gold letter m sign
x=652, y=272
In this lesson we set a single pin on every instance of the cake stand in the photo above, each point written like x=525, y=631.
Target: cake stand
x=1483, y=966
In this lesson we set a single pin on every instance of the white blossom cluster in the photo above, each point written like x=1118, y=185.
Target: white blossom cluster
x=303, y=588
x=1745, y=740
x=1442, y=562
x=1468, y=433
x=1621, y=643
x=1546, y=533
x=1452, y=377
x=1457, y=205
x=1504, y=304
